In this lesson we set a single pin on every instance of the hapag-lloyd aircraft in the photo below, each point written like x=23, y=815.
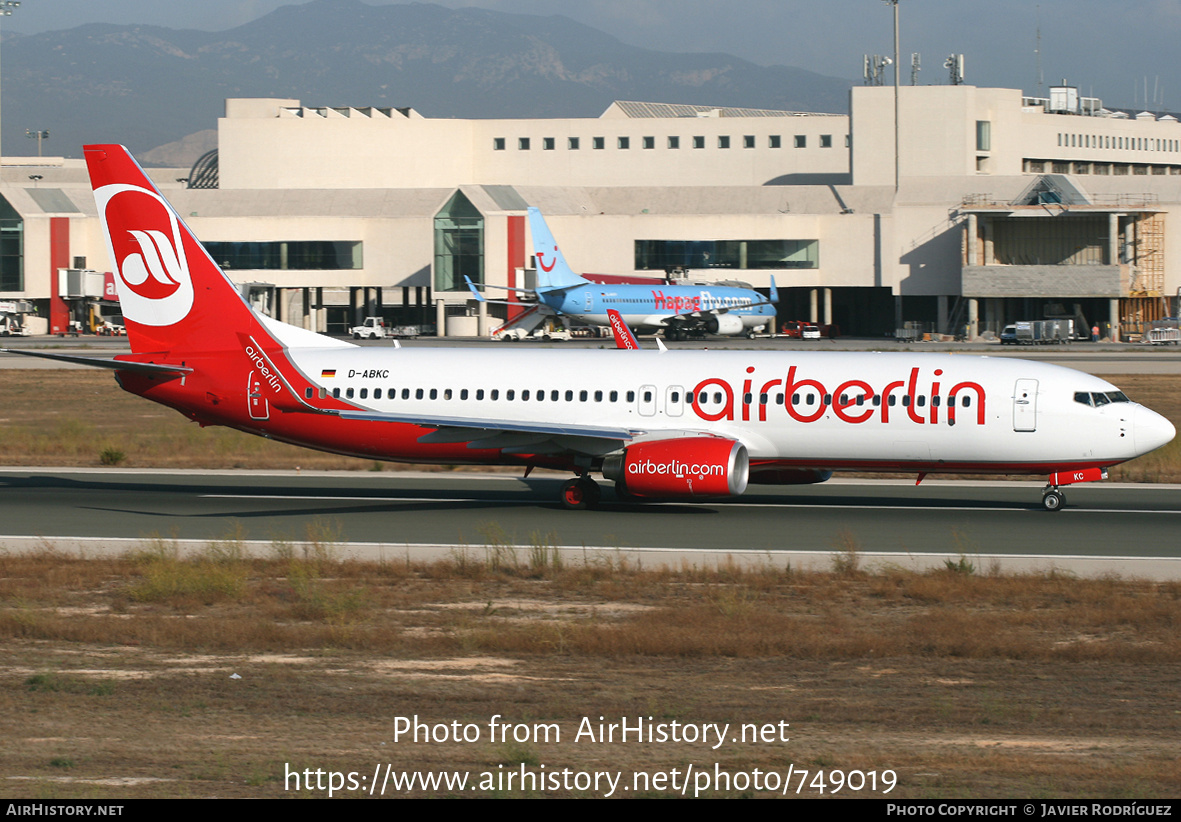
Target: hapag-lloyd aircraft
x=661, y=424
x=680, y=310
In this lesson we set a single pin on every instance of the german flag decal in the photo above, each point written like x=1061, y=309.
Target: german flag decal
x=327, y=372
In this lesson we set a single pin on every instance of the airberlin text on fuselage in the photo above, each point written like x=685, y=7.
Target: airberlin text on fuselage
x=842, y=399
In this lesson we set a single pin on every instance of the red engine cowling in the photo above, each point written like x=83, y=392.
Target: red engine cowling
x=683, y=467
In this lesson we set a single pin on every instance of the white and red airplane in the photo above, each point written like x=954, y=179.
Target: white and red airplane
x=661, y=424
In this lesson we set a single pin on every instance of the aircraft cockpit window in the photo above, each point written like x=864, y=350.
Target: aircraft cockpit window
x=1100, y=398
x=1117, y=396
x=1083, y=397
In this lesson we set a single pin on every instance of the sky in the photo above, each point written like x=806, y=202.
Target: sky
x=1123, y=52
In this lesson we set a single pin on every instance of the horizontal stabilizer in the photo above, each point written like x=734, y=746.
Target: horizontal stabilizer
x=105, y=362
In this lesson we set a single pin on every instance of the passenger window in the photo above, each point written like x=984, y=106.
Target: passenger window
x=463, y=393
x=747, y=398
x=348, y=393
x=553, y=396
x=631, y=396
x=446, y=393
x=508, y=395
x=921, y=401
x=717, y=397
x=308, y=392
x=364, y=393
x=434, y=393
x=582, y=396
x=495, y=394
x=615, y=396
x=377, y=393
x=405, y=393
x=598, y=396
x=336, y=393
x=675, y=397
x=418, y=394
x=524, y=394
x=569, y=396
x=479, y=393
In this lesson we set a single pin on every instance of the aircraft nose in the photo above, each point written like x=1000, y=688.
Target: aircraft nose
x=1151, y=430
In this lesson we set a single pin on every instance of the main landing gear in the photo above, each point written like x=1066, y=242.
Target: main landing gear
x=579, y=493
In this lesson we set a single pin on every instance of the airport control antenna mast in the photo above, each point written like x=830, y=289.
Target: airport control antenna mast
x=894, y=3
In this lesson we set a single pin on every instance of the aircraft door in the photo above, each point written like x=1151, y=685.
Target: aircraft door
x=590, y=300
x=257, y=403
x=647, y=399
x=1025, y=405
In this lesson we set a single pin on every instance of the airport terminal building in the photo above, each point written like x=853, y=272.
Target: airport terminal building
x=995, y=207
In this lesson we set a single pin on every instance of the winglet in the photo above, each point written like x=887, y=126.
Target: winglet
x=624, y=338
x=472, y=286
x=774, y=298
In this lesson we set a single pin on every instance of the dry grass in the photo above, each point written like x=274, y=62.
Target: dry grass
x=966, y=684
x=82, y=418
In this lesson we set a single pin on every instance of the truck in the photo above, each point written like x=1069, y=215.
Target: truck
x=10, y=326
x=372, y=329
x=1038, y=332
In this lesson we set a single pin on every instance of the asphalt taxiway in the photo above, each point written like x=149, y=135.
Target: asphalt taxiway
x=1124, y=529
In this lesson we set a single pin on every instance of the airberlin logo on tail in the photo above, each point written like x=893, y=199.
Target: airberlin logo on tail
x=144, y=237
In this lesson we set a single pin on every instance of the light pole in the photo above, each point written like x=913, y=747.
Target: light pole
x=894, y=3
x=6, y=9
x=38, y=136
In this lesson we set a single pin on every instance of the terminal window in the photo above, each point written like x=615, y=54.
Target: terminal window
x=305, y=255
x=523, y=143
x=625, y=142
x=826, y=141
x=698, y=142
x=801, y=141
x=748, y=141
x=572, y=144
x=599, y=142
x=498, y=144
x=674, y=142
x=724, y=141
x=649, y=142
x=774, y=141
x=547, y=143
x=734, y=254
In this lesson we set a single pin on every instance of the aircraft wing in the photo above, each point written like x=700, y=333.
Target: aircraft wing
x=772, y=299
x=522, y=436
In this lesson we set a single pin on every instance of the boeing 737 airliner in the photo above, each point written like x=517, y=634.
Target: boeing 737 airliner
x=661, y=424
x=678, y=309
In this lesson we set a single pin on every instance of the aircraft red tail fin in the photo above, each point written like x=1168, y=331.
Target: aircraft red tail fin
x=624, y=338
x=173, y=296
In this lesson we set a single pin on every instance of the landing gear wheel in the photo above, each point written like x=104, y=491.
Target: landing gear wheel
x=1053, y=500
x=580, y=493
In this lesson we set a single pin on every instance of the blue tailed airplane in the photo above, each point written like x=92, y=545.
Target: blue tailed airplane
x=680, y=310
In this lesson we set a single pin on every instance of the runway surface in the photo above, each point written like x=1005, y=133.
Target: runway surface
x=1105, y=528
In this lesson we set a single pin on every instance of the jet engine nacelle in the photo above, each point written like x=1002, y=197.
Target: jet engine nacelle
x=683, y=467
x=788, y=476
x=727, y=325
